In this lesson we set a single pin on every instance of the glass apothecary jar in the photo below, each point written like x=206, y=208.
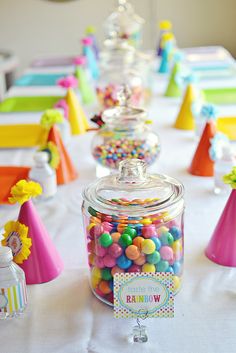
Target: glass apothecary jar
x=133, y=222
x=118, y=67
x=125, y=135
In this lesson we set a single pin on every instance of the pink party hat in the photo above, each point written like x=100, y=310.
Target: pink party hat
x=44, y=263
x=222, y=246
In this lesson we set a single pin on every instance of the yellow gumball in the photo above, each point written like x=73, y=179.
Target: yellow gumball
x=146, y=221
x=96, y=272
x=148, y=268
x=91, y=225
x=177, y=246
x=148, y=246
x=177, y=283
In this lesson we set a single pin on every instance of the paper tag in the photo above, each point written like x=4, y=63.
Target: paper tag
x=147, y=294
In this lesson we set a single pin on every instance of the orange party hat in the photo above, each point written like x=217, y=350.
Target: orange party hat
x=202, y=164
x=66, y=171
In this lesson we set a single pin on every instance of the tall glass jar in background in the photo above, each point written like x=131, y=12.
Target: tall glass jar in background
x=125, y=135
x=133, y=222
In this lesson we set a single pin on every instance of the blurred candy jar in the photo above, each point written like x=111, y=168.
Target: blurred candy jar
x=125, y=135
x=125, y=23
x=133, y=222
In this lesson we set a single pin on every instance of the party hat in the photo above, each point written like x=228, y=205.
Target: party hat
x=165, y=26
x=86, y=91
x=174, y=89
x=77, y=118
x=66, y=171
x=167, y=49
x=185, y=118
x=88, y=52
x=90, y=31
x=222, y=246
x=43, y=263
x=202, y=164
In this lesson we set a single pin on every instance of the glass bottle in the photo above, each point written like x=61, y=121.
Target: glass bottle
x=133, y=222
x=223, y=166
x=125, y=135
x=42, y=173
x=13, y=292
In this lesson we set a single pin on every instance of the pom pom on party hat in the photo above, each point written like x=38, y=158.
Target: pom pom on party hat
x=44, y=263
x=202, y=164
x=185, y=118
x=65, y=170
x=77, y=118
x=222, y=246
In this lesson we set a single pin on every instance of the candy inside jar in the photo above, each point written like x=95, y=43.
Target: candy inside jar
x=133, y=223
x=125, y=135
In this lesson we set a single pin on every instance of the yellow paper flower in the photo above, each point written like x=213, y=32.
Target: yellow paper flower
x=15, y=237
x=52, y=150
x=51, y=117
x=24, y=190
x=231, y=178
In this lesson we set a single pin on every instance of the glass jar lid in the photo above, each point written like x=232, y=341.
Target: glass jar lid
x=135, y=192
x=123, y=111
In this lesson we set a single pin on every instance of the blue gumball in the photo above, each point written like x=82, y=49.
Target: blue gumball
x=176, y=232
x=177, y=268
x=157, y=242
x=123, y=262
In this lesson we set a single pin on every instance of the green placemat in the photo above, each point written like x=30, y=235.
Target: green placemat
x=28, y=104
x=220, y=95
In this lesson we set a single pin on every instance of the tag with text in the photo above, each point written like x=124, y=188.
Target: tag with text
x=143, y=294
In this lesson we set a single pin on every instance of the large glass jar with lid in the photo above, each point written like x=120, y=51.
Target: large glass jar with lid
x=126, y=134
x=133, y=222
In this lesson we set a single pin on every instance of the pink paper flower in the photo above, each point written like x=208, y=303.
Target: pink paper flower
x=68, y=82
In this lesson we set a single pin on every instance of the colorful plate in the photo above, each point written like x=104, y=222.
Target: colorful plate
x=38, y=80
x=8, y=178
x=28, y=104
x=220, y=95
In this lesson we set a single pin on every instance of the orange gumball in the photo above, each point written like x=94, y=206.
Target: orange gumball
x=138, y=242
x=140, y=260
x=115, y=237
x=116, y=269
x=91, y=259
x=121, y=227
x=132, y=252
x=104, y=287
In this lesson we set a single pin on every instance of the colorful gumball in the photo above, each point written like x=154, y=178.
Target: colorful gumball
x=176, y=232
x=162, y=266
x=115, y=237
x=123, y=262
x=140, y=260
x=132, y=252
x=149, y=231
x=104, y=287
x=157, y=243
x=148, y=268
x=109, y=261
x=135, y=268
x=154, y=258
x=148, y=246
x=125, y=240
x=115, y=250
x=117, y=269
x=166, y=253
x=106, y=274
x=131, y=231
x=138, y=242
x=105, y=240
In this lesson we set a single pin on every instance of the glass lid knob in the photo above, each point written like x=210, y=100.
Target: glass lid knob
x=132, y=171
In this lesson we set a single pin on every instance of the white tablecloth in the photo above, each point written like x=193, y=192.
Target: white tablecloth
x=64, y=317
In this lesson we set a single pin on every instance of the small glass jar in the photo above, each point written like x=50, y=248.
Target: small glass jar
x=125, y=135
x=133, y=222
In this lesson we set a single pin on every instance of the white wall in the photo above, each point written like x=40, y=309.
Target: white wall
x=34, y=27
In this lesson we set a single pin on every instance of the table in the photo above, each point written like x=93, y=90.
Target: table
x=64, y=317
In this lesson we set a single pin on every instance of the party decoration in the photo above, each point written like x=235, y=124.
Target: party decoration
x=222, y=246
x=175, y=88
x=52, y=150
x=77, y=118
x=62, y=104
x=202, y=164
x=15, y=237
x=90, y=32
x=43, y=263
x=65, y=170
x=167, y=51
x=9, y=176
x=86, y=91
x=217, y=144
x=51, y=117
x=185, y=118
x=90, y=57
x=68, y=82
x=165, y=26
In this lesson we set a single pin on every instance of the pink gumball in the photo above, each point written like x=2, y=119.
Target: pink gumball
x=100, y=251
x=115, y=250
x=166, y=253
x=99, y=262
x=96, y=231
x=109, y=261
x=135, y=268
x=149, y=231
x=107, y=227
